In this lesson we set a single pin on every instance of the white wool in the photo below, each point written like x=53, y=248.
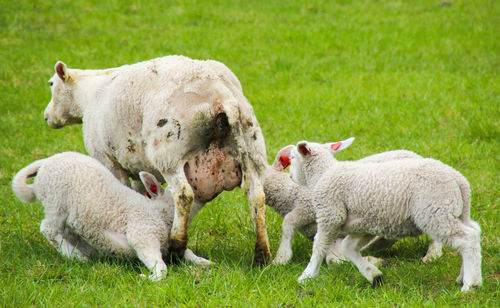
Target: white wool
x=154, y=116
x=89, y=212
x=395, y=199
x=294, y=203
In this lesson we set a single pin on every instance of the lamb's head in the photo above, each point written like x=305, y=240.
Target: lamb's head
x=62, y=109
x=309, y=160
x=154, y=190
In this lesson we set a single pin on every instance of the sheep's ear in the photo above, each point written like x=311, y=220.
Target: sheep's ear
x=62, y=71
x=303, y=148
x=282, y=160
x=338, y=146
x=152, y=185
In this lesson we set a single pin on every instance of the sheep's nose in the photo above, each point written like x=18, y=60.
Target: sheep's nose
x=45, y=117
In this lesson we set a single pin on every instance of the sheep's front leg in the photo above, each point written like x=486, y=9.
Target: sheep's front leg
x=256, y=203
x=295, y=219
x=148, y=251
x=351, y=245
x=183, y=199
x=322, y=240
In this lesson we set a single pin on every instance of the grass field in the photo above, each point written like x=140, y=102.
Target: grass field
x=418, y=75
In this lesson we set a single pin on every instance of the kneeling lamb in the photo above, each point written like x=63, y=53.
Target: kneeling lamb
x=88, y=212
x=394, y=199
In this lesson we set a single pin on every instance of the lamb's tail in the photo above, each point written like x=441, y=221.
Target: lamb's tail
x=464, y=186
x=21, y=188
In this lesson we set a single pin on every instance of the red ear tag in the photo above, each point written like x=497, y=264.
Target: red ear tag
x=285, y=161
x=153, y=188
x=148, y=195
x=335, y=146
x=304, y=150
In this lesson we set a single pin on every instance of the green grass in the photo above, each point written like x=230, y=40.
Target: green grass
x=395, y=74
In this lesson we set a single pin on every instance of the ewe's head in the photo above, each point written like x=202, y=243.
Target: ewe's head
x=62, y=109
x=308, y=159
x=153, y=188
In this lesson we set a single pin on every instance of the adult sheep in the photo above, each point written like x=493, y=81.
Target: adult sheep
x=185, y=121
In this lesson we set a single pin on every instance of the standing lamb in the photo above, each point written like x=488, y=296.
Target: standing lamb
x=294, y=203
x=185, y=121
x=394, y=199
x=88, y=212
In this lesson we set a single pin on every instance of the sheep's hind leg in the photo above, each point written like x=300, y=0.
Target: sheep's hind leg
x=81, y=246
x=52, y=228
x=351, y=246
x=183, y=199
x=189, y=256
x=254, y=190
x=467, y=242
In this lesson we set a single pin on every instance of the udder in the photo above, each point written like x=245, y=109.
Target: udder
x=212, y=171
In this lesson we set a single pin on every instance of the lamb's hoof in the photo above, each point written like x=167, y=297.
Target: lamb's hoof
x=281, y=259
x=469, y=288
x=302, y=279
x=261, y=256
x=377, y=281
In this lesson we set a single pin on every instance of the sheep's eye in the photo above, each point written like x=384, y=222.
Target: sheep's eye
x=51, y=83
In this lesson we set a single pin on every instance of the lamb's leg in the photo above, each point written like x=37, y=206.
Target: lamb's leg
x=467, y=241
x=377, y=243
x=292, y=221
x=322, y=240
x=351, y=246
x=183, y=199
x=148, y=251
x=52, y=227
x=189, y=256
x=434, y=251
x=334, y=254
x=82, y=246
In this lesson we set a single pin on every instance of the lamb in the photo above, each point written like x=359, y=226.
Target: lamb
x=89, y=213
x=294, y=203
x=394, y=199
x=185, y=121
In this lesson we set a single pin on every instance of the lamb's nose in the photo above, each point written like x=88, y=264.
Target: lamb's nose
x=46, y=117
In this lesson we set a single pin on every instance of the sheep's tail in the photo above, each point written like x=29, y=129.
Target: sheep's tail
x=21, y=188
x=464, y=186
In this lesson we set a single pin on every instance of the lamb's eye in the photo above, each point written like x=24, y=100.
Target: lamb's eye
x=51, y=83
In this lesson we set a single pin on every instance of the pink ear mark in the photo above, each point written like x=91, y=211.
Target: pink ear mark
x=153, y=188
x=335, y=146
x=304, y=150
x=285, y=161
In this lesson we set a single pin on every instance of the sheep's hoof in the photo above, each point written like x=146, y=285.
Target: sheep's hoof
x=176, y=249
x=261, y=256
x=378, y=281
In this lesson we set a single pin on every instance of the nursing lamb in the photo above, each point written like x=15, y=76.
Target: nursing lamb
x=88, y=212
x=395, y=199
x=185, y=121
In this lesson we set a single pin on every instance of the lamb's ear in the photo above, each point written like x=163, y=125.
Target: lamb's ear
x=62, y=71
x=152, y=185
x=303, y=148
x=282, y=160
x=338, y=146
